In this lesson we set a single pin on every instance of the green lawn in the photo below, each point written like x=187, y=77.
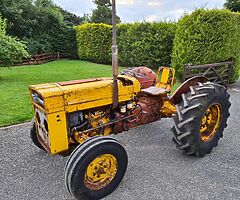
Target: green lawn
x=15, y=105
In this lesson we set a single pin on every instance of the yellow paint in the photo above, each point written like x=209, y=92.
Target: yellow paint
x=210, y=122
x=57, y=132
x=100, y=172
x=83, y=96
x=166, y=78
x=168, y=109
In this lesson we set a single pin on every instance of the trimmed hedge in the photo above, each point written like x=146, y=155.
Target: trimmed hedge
x=207, y=36
x=63, y=42
x=94, y=42
x=148, y=44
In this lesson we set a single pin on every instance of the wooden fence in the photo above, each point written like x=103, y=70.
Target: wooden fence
x=217, y=72
x=39, y=59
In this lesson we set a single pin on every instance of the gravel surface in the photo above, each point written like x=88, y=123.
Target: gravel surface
x=156, y=170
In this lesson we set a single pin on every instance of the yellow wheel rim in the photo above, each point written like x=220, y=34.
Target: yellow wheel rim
x=210, y=122
x=100, y=172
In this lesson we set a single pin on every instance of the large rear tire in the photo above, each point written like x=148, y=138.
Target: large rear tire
x=95, y=168
x=201, y=118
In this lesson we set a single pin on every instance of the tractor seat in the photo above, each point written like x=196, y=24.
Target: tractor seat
x=155, y=91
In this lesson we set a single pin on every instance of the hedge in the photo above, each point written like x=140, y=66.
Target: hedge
x=63, y=42
x=207, y=36
x=148, y=44
x=94, y=42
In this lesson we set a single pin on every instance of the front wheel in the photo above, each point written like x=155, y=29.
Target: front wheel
x=33, y=135
x=201, y=118
x=95, y=168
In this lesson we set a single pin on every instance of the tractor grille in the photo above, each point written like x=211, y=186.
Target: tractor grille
x=42, y=128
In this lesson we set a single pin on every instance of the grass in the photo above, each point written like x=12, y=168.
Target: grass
x=15, y=105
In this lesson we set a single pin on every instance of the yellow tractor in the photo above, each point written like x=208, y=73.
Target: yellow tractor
x=76, y=118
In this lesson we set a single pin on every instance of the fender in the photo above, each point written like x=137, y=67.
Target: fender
x=176, y=97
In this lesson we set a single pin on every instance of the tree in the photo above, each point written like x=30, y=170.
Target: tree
x=19, y=16
x=233, y=5
x=103, y=12
x=86, y=18
x=71, y=19
x=41, y=24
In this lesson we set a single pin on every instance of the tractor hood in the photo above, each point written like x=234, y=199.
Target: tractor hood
x=76, y=95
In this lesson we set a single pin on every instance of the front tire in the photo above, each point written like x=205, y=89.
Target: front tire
x=33, y=135
x=95, y=168
x=201, y=118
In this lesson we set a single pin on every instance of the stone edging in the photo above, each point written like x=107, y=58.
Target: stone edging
x=13, y=126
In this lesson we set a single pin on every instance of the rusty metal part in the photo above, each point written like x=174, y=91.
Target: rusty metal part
x=146, y=111
x=144, y=75
x=81, y=136
x=98, y=119
x=130, y=119
x=114, y=55
x=100, y=172
x=150, y=108
x=185, y=87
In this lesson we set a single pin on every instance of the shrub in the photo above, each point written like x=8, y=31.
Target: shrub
x=207, y=36
x=39, y=44
x=11, y=50
x=147, y=44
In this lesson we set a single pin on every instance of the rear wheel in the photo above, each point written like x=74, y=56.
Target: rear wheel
x=95, y=168
x=33, y=135
x=201, y=118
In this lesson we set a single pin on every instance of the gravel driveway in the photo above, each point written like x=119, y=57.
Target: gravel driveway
x=156, y=170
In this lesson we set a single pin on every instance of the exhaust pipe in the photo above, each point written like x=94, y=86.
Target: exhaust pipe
x=114, y=55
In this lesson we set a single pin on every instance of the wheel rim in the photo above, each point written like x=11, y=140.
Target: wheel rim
x=100, y=172
x=210, y=122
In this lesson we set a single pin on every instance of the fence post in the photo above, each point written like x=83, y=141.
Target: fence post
x=184, y=72
x=231, y=72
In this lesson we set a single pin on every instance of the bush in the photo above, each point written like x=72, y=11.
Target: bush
x=207, y=36
x=11, y=50
x=39, y=44
x=147, y=44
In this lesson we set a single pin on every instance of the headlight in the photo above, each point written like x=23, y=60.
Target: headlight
x=37, y=98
